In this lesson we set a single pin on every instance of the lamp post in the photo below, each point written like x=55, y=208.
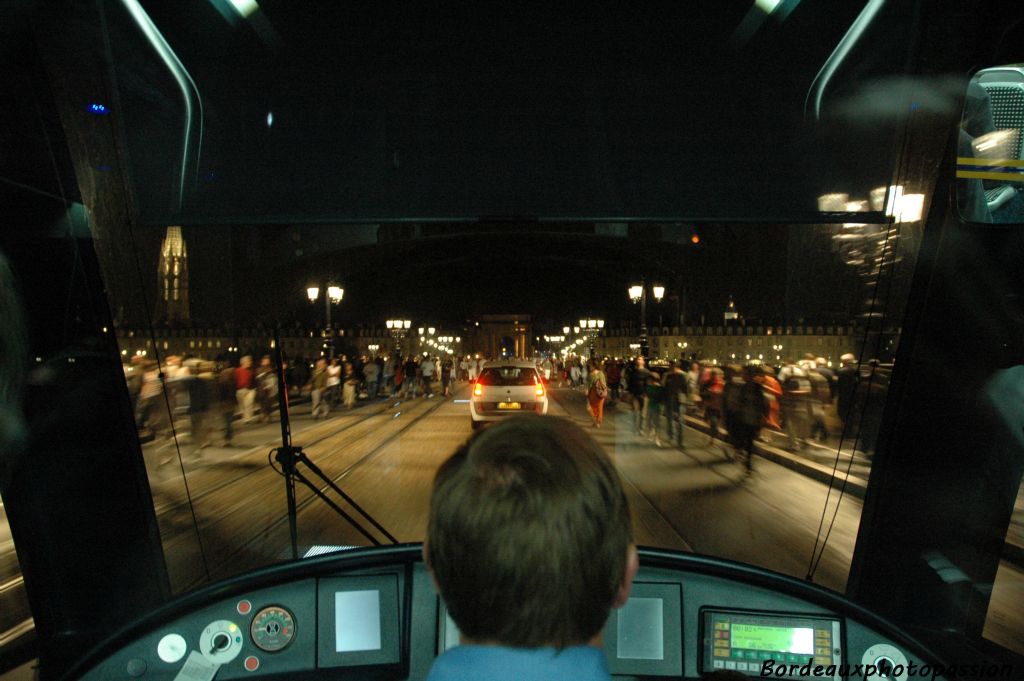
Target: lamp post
x=334, y=295
x=554, y=341
x=638, y=294
x=423, y=332
x=591, y=327
x=398, y=328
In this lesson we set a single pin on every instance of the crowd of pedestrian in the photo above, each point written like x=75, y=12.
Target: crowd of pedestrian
x=225, y=394
x=791, y=405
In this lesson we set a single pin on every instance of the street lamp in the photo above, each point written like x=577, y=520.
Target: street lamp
x=334, y=295
x=638, y=294
x=398, y=328
x=591, y=327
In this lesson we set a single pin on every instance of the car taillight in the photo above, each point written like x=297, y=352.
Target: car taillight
x=478, y=389
x=538, y=387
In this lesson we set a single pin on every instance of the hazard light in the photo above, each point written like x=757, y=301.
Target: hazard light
x=478, y=389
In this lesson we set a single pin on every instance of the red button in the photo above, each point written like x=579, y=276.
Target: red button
x=252, y=663
x=244, y=607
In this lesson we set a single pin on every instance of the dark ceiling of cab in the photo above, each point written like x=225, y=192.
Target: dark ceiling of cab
x=381, y=111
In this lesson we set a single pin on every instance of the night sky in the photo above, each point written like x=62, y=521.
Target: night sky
x=442, y=165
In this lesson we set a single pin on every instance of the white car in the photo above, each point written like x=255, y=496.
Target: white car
x=504, y=388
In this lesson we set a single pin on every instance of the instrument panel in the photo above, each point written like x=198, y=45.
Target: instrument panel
x=374, y=614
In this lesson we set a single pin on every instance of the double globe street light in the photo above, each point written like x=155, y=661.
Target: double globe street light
x=591, y=327
x=398, y=328
x=638, y=294
x=334, y=295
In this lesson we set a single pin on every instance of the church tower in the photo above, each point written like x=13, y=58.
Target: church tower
x=172, y=274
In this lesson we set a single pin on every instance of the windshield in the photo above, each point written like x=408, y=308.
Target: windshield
x=319, y=224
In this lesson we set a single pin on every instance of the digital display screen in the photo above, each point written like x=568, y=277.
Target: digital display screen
x=746, y=641
x=780, y=639
x=641, y=631
x=357, y=621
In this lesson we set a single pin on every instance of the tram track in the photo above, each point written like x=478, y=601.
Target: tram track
x=256, y=543
x=650, y=506
x=169, y=507
x=12, y=591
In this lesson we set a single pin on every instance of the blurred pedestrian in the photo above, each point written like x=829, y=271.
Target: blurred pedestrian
x=636, y=384
x=846, y=386
x=371, y=375
x=674, y=382
x=446, y=376
x=711, y=388
x=319, y=392
x=773, y=395
x=226, y=401
x=266, y=388
x=751, y=411
x=245, y=388
x=597, y=392
x=796, y=397
x=350, y=385
x=654, y=405
x=428, y=368
x=333, y=382
x=410, y=374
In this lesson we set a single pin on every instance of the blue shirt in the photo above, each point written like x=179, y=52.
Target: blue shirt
x=496, y=663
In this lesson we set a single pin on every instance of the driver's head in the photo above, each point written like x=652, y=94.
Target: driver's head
x=529, y=536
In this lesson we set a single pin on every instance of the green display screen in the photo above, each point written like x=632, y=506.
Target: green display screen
x=798, y=640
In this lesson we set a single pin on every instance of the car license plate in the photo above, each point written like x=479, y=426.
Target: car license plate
x=509, y=405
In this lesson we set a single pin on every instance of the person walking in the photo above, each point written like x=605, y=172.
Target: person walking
x=712, y=387
x=388, y=374
x=245, y=388
x=654, y=405
x=597, y=391
x=796, y=405
x=333, y=382
x=350, y=386
x=636, y=383
x=409, y=377
x=427, y=368
x=773, y=395
x=674, y=383
x=371, y=375
x=226, y=401
x=318, y=394
x=751, y=409
x=446, y=376
x=266, y=388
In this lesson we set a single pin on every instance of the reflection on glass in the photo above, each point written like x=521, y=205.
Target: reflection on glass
x=990, y=154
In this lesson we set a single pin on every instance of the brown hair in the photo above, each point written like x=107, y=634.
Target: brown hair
x=528, y=534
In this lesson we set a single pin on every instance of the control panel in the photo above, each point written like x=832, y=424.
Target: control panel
x=374, y=614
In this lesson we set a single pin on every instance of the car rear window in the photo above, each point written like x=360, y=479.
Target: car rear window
x=508, y=376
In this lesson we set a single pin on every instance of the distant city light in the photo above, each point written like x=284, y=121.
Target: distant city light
x=270, y=118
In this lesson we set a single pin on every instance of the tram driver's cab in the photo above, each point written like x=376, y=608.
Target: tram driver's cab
x=825, y=159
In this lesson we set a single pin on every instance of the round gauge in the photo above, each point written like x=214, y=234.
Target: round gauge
x=273, y=628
